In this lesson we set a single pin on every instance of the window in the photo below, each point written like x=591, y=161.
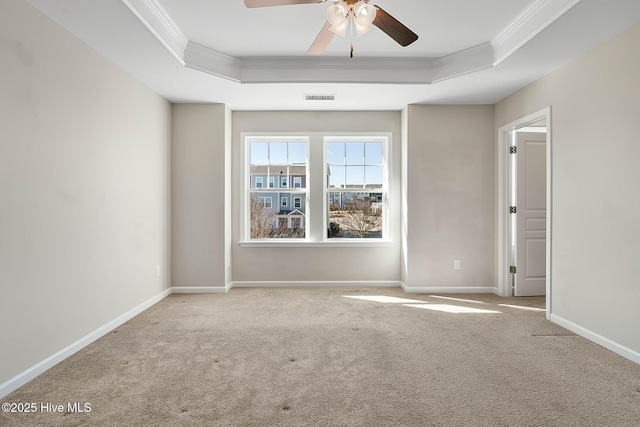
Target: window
x=356, y=182
x=265, y=202
x=342, y=183
x=268, y=159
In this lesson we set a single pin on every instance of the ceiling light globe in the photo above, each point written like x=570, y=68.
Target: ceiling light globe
x=341, y=29
x=363, y=21
x=361, y=30
x=358, y=7
x=337, y=14
x=365, y=13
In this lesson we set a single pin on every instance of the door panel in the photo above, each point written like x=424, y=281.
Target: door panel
x=535, y=224
x=531, y=202
x=535, y=258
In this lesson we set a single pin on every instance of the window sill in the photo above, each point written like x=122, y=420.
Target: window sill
x=347, y=243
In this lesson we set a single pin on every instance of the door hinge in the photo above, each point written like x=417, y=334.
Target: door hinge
x=512, y=209
x=512, y=269
x=513, y=149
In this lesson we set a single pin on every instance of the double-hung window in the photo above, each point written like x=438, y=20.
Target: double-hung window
x=321, y=189
x=275, y=160
x=356, y=190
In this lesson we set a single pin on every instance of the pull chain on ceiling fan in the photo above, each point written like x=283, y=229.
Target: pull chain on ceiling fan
x=342, y=14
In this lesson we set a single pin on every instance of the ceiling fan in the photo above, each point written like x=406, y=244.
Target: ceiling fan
x=341, y=13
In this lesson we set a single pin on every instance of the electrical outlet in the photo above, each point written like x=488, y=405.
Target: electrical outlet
x=456, y=264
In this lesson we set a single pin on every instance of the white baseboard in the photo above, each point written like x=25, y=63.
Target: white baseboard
x=37, y=369
x=448, y=290
x=619, y=349
x=316, y=284
x=200, y=289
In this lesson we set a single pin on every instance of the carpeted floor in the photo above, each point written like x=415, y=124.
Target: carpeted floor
x=298, y=357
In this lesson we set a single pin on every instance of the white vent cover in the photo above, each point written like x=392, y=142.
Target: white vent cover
x=319, y=97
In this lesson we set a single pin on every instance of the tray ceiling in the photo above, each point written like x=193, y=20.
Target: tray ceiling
x=221, y=51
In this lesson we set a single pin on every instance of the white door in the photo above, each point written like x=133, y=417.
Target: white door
x=531, y=214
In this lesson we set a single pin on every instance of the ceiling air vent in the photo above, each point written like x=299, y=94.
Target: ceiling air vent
x=319, y=97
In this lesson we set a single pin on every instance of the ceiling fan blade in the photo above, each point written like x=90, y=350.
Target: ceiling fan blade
x=269, y=3
x=394, y=28
x=322, y=40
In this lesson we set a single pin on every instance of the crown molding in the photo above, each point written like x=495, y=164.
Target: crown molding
x=367, y=70
x=156, y=19
x=313, y=69
x=210, y=61
x=464, y=62
x=530, y=22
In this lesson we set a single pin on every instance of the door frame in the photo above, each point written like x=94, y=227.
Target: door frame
x=502, y=205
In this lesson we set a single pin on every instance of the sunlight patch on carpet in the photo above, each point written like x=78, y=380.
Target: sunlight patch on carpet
x=522, y=308
x=453, y=308
x=457, y=299
x=384, y=299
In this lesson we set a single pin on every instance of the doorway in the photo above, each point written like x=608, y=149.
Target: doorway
x=524, y=207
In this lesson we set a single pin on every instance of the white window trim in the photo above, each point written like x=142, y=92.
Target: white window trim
x=259, y=180
x=318, y=240
x=284, y=182
x=297, y=182
x=297, y=200
x=272, y=182
x=284, y=201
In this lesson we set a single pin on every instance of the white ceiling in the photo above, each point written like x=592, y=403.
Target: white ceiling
x=469, y=51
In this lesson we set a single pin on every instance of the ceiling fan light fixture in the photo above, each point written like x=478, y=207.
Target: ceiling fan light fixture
x=361, y=30
x=341, y=29
x=337, y=13
x=337, y=16
x=364, y=16
x=364, y=10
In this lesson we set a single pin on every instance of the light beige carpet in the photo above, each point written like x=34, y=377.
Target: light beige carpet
x=298, y=357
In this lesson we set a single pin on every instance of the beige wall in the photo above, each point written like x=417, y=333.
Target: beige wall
x=450, y=162
x=199, y=224
x=595, y=103
x=450, y=192
x=83, y=189
x=315, y=264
